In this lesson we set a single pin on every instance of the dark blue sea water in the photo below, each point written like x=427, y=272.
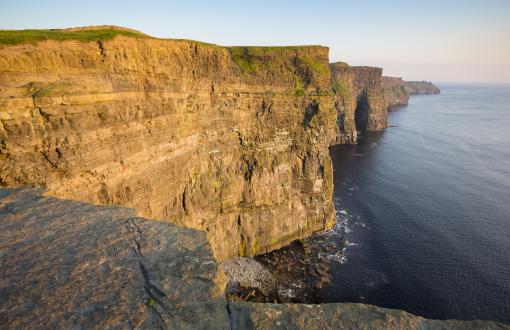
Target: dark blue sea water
x=425, y=207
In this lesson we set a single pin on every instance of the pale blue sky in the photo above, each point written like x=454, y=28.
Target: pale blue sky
x=438, y=40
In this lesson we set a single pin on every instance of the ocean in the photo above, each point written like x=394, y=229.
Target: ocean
x=425, y=208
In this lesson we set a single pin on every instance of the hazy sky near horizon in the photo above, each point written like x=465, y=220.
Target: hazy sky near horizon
x=438, y=40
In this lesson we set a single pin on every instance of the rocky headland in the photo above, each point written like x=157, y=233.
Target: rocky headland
x=396, y=93
x=117, y=128
x=421, y=88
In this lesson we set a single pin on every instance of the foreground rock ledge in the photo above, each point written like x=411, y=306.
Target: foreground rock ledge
x=66, y=264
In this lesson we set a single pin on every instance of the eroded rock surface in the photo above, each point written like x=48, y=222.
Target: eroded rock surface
x=338, y=316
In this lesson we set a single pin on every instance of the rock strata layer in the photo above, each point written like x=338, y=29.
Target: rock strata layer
x=233, y=141
x=71, y=265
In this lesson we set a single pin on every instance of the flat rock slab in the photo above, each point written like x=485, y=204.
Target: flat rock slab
x=66, y=264
x=70, y=265
x=338, y=316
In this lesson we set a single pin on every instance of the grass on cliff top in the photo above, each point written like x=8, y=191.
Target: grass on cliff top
x=10, y=37
x=250, y=59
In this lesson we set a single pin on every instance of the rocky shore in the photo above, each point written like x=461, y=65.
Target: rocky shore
x=293, y=274
x=421, y=88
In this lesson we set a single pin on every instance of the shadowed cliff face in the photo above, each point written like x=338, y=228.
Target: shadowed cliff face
x=360, y=103
x=233, y=141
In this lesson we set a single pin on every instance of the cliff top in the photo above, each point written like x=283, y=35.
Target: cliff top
x=92, y=33
x=107, y=32
x=339, y=64
x=310, y=62
x=367, y=68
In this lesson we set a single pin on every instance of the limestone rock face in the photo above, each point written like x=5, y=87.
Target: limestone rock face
x=361, y=104
x=395, y=92
x=371, y=107
x=342, y=82
x=421, y=87
x=233, y=141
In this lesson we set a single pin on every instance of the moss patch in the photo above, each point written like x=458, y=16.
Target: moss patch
x=339, y=88
x=299, y=90
x=316, y=67
x=252, y=59
x=243, y=251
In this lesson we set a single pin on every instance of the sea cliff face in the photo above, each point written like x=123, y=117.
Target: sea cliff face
x=395, y=92
x=233, y=141
x=360, y=104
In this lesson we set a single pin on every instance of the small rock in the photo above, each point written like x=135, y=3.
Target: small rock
x=325, y=280
x=324, y=266
x=321, y=272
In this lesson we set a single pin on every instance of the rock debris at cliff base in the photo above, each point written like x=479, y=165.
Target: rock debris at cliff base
x=293, y=274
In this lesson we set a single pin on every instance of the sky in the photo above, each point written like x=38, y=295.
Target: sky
x=434, y=40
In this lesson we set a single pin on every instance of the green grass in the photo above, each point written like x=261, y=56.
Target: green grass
x=11, y=37
x=339, y=88
x=151, y=302
x=251, y=59
x=299, y=90
x=317, y=67
x=243, y=251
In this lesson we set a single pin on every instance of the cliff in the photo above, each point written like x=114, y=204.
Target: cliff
x=421, y=87
x=360, y=102
x=70, y=265
x=395, y=92
x=230, y=140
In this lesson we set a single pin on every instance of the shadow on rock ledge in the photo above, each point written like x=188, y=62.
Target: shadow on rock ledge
x=65, y=264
